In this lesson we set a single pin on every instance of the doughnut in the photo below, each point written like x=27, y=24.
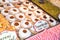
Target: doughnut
x=5, y=12
x=35, y=19
x=26, y=24
x=16, y=25
x=24, y=33
x=8, y=5
x=30, y=14
x=23, y=9
x=18, y=4
x=38, y=12
x=27, y=3
x=1, y=6
x=22, y=0
x=10, y=18
x=33, y=31
x=32, y=7
x=14, y=11
x=20, y=16
x=41, y=25
x=52, y=22
x=45, y=17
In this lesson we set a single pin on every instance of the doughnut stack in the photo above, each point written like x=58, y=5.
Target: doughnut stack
x=26, y=17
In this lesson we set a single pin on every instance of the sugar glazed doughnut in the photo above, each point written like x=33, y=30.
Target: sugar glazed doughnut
x=14, y=11
x=10, y=18
x=20, y=16
x=24, y=32
x=23, y=9
x=26, y=24
x=1, y=6
x=5, y=12
x=16, y=25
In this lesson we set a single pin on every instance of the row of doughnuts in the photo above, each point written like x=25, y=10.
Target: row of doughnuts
x=26, y=17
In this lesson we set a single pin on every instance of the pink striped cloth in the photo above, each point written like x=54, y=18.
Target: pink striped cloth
x=50, y=34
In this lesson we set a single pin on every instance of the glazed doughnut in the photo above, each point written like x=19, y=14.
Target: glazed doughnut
x=24, y=33
x=32, y=7
x=8, y=5
x=16, y=25
x=52, y=22
x=30, y=14
x=27, y=3
x=23, y=9
x=33, y=31
x=18, y=4
x=5, y=12
x=45, y=17
x=14, y=11
x=41, y=25
x=34, y=19
x=38, y=12
x=10, y=18
x=20, y=16
x=1, y=6
x=26, y=24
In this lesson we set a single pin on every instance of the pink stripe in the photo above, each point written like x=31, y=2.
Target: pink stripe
x=50, y=34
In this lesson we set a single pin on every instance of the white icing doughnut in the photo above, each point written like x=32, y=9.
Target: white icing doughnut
x=16, y=25
x=1, y=6
x=18, y=4
x=20, y=16
x=52, y=22
x=30, y=14
x=38, y=12
x=41, y=25
x=10, y=18
x=5, y=12
x=34, y=19
x=26, y=24
x=23, y=9
x=32, y=7
x=9, y=5
x=24, y=33
x=45, y=17
x=27, y=3
x=14, y=11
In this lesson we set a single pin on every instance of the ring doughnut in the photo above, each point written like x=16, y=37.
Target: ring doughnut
x=14, y=11
x=10, y=18
x=5, y=12
x=16, y=24
x=24, y=32
x=26, y=24
x=20, y=16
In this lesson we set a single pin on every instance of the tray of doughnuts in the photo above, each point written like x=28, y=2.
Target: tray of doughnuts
x=22, y=19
